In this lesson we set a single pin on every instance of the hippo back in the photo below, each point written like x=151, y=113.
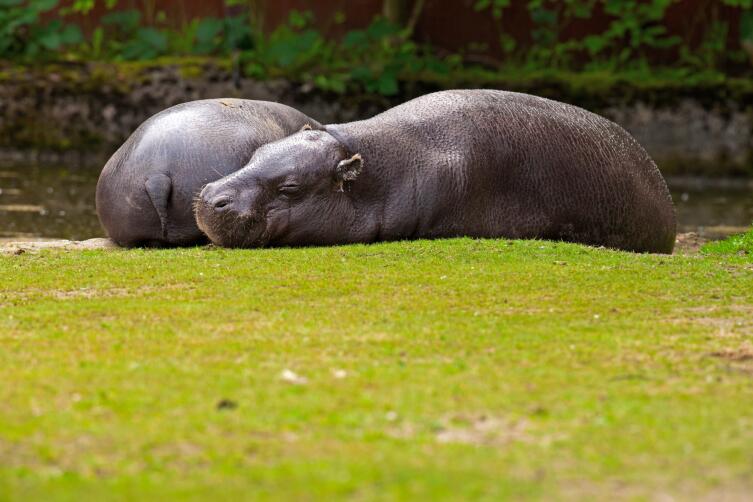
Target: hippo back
x=493, y=163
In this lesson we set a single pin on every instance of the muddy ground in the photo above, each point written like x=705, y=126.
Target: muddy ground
x=17, y=247
x=687, y=243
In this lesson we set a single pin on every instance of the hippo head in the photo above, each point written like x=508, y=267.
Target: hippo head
x=293, y=191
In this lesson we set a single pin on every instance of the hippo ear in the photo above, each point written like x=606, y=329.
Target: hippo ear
x=349, y=169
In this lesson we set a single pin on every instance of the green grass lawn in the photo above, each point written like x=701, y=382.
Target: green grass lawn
x=737, y=244
x=433, y=370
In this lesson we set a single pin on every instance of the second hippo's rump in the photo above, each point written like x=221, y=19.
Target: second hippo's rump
x=146, y=191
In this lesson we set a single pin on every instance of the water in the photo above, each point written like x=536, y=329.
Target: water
x=49, y=202
x=56, y=202
x=713, y=208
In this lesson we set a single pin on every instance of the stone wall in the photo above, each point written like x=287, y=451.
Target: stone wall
x=688, y=138
x=87, y=111
x=80, y=113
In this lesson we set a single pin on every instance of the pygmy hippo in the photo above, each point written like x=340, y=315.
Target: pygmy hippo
x=146, y=191
x=479, y=163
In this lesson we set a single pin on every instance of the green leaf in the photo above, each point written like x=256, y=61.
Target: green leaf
x=71, y=34
x=206, y=31
x=127, y=20
x=482, y=4
x=297, y=19
x=387, y=84
x=746, y=26
x=50, y=41
x=381, y=28
x=83, y=6
x=43, y=5
x=97, y=39
x=237, y=34
x=355, y=38
x=594, y=43
x=153, y=38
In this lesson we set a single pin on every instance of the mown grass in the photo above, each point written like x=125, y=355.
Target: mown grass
x=433, y=370
x=741, y=244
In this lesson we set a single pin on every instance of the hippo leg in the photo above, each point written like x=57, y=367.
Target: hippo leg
x=158, y=187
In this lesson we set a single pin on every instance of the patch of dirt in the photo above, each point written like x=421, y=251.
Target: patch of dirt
x=88, y=293
x=733, y=321
x=688, y=489
x=736, y=359
x=19, y=247
x=483, y=431
x=689, y=243
x=740, y=354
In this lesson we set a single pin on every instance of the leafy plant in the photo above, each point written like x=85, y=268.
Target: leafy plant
x=635, y=25
x=379, y=57
x=373, y=59
x=123, y=36
x=131, y=40
x=24, y=36
x=221, y=36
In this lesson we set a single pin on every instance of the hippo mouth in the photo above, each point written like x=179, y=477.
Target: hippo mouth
x=235, y=230
x=230, y=229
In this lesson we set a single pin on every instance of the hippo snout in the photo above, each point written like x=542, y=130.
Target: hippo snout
x=228, y=216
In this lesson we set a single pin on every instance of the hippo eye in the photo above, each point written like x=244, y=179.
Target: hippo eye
x=289, y=188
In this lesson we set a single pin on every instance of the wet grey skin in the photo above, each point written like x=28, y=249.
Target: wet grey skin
x=146, y=191
x=478, y=163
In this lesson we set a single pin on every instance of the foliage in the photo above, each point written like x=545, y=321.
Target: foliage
x=121, y=36
x=24, y=36
x=131, y=40
x=377, y=58
x=635, y=27
x=457, y=369
x=372, y=59
x=128, y=39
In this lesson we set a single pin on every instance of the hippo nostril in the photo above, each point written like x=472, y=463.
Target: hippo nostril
x=222, y=202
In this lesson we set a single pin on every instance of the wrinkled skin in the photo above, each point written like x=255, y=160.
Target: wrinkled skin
x=473, y=163
x=146, y=191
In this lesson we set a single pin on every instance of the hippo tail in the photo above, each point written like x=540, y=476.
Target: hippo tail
x=158, y=187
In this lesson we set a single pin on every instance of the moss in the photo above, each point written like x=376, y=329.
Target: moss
x=115, y=82
x=593, y=89
x=660, y=88
x=191, y=71
x=600, y=89
x=36, y=134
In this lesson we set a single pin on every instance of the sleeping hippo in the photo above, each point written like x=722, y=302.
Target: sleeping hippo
x=478, y=163
x=146, y=190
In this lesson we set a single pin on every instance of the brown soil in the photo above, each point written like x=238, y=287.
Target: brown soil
x=17, y=247
x=689, y=243
x=686, y=243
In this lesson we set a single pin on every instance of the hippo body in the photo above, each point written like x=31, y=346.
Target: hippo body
x=146, y=190
x=479, y=163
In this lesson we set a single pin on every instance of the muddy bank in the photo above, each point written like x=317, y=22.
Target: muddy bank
x=17, y=247
x=687, y=243
x=80, y=113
